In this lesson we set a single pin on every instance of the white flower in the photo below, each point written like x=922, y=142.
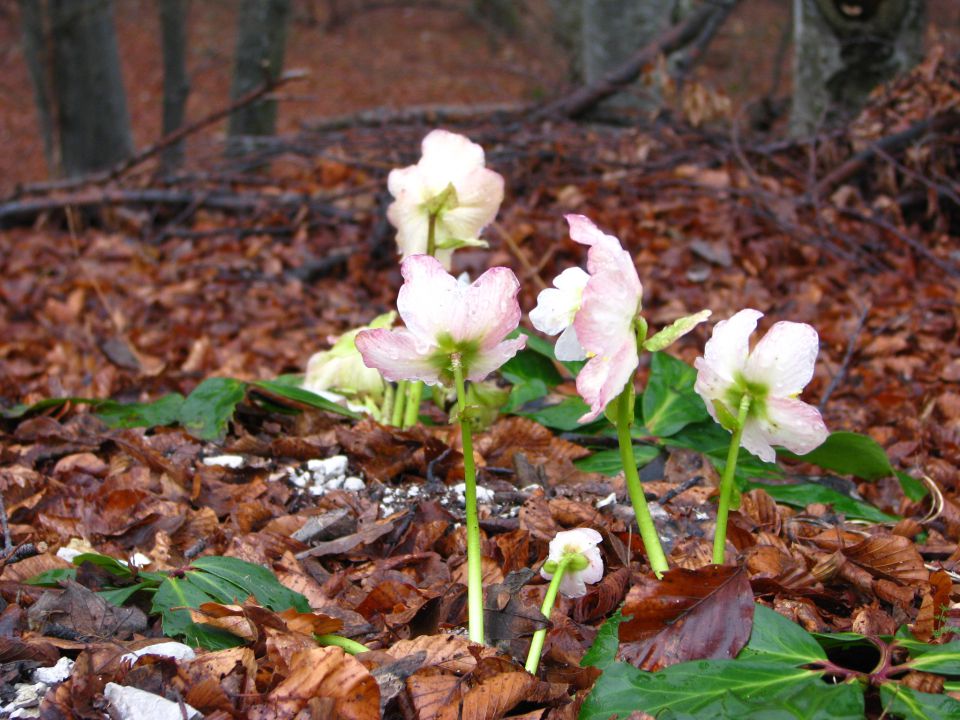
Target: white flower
x=451, y=183
x=582, y=571
x=556, y=308
x=773, y=375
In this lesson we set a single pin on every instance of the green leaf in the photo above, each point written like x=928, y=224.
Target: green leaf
x=943, y=659
x=608, y=461
x=669, y=402
x=163, y=411
x=912, y=488
x=803, y=494
x=713, y=441
x=218, y=589
x=300, y=395
x=603, y=652
x=207, y=410
x=673, y=332
x=118, y=596
x=18, y=411
x=532, y=375
x=849, y=453
x=775, y=638
x=111, y=565
x=53, y=577
x=254, y=580
x=901, y=701
x=722, y=689
x=564, y=415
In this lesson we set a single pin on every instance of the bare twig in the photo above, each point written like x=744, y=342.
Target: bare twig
x=518, y=252
x=847, y=357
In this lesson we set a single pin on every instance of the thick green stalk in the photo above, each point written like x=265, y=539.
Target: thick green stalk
x=474, y=569
x=536, y=644
x=412, y=411
x=648, y=532
x=351, y=646
x=386, y=409
x=396, y=418
x=726, y=483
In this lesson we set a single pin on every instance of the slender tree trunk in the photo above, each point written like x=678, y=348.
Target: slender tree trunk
x=35, y=54
x=612, y=30
x=845, y=49
x=176, y=84
x=261, y=41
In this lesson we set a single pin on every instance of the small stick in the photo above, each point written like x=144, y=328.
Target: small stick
x=845, y=363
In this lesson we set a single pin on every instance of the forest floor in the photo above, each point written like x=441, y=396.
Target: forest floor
x=166, y=286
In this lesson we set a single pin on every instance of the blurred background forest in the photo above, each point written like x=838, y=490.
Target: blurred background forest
x=364, y=54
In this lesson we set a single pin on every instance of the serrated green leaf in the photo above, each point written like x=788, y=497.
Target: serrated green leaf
x=163, y=411
x=608, y=461
x=564, y=415
x=732, y=689
x=207, y=410
x=603, y=651
x=942, y=659
x=775, y=638
x=255, y=580
x=669, y=401
x=673, y=332
x=804, y=494
x=849, y=453
x=53, y=577
x=306, y=397
x=904, y=702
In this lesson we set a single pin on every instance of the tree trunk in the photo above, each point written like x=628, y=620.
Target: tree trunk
x=71, y=50
x=613, y=30
x=261, y=40
x=176, y=84
x=844, y=49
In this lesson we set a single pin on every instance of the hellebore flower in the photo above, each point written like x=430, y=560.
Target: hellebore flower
x=445, y=200
x=445, y=318
x=580, y=572
x=341, y=370
x=771, y=375
x=555, y=310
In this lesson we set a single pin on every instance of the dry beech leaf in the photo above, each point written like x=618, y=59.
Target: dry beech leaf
x=890, y=557
x=326, y=672
x=933, y=607
x=688, y=615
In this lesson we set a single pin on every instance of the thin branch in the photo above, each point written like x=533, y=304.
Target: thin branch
x=847, y=357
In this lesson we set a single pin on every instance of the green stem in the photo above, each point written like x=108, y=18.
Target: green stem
x=536, y=645
x=648, y=532
x=474, y=569
x=396, y=418
x=726, y=483
x=412, y=412
x=386, y=409
x=351, y=646
x=432, y=235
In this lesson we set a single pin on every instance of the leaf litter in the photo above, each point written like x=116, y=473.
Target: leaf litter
x=363, y=521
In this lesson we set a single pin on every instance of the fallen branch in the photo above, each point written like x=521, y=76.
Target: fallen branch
x=583, y=99
x=420, y=114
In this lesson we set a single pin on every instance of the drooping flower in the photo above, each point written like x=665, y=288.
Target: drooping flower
x=582, y=571
x=555, y=310
x=443, y=318
x=451, y=183
x=773, y=374
x=340, y=370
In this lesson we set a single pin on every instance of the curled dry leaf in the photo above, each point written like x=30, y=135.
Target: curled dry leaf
x=890, y=557
x=688, y=615
x=326, y=672
x=936, y=602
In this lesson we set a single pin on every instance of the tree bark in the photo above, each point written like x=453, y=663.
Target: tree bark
x=844, y=49
x=71, y=51
x=611, y=32
x=176, y=83
x=261, y=41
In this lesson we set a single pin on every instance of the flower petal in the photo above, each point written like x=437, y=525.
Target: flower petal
x=428, y=298
x=710, y=385
x=412, y=224
x=557, y=306
x=486, y=361
x=784, y=359
x=447, y=157
x=605, y=376
x=793, y=424
x=489, y=310
x=727, y=349
x=605, y=320
x=568, y=347
x=479, y=194
x=397, y=355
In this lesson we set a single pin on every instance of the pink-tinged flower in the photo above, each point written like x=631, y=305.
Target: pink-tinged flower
x=451, y=183
x=606, y=322
x=773, y=374
x=444, y=317
x=580, y=572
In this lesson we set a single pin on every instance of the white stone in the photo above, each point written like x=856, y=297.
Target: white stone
x=330, y=467
x=608, y=500
x=175, y=650
x=134, y=704
x=230, y=461
x=54, y=674
x=354, y=484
